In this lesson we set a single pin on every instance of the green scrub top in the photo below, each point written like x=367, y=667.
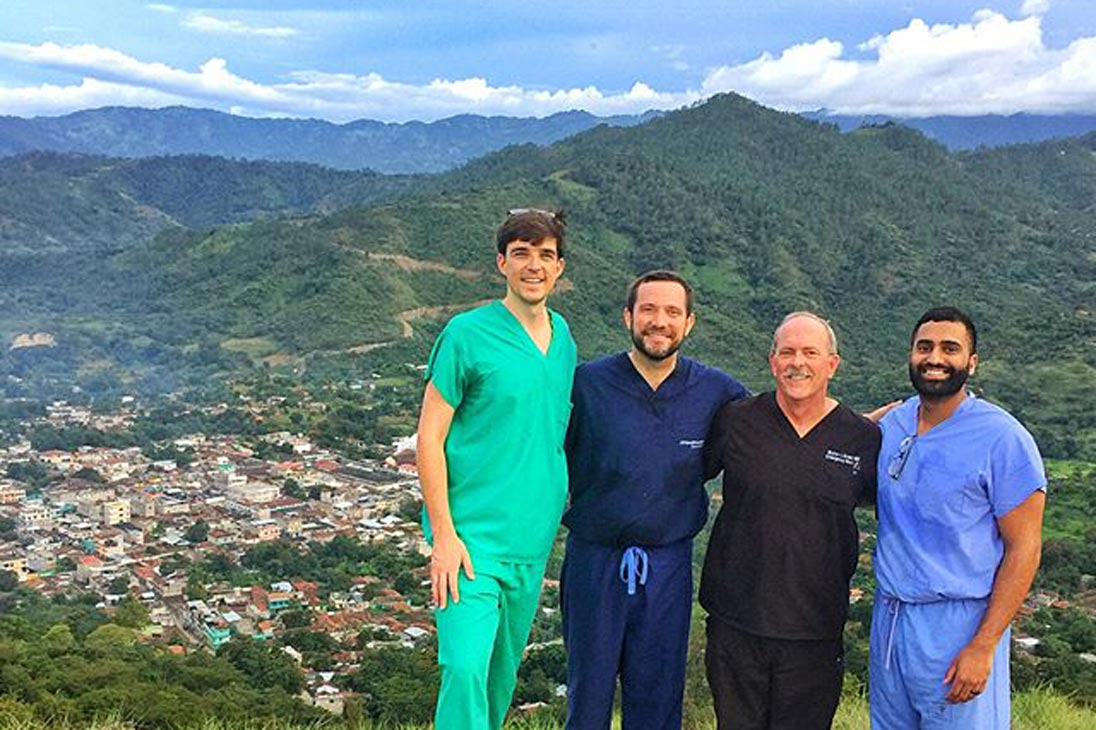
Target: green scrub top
x=507, y=471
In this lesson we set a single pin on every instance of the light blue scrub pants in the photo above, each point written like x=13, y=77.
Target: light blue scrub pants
x=912, y=646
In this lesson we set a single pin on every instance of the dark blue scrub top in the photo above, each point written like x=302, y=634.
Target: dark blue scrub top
x=635, y=455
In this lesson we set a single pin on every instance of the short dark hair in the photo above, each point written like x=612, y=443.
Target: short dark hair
x=948, y=314
x=659, y=275
x=533, y=225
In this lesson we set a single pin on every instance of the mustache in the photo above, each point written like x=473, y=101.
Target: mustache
x=925, y=367
x=792, y=370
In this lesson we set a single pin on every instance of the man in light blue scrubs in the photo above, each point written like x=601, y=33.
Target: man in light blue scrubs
x=961, y=496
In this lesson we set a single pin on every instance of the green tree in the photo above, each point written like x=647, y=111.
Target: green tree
x=9, y=581
x=292, y=488
x=131, y=613
x=197, y=532
x=296, y=619
x=89, y=475
x=195, y=588
x=397, y=685
x=118, y=586
x=34, y=473
x=110, y=639
x=410, y=510
x=264, y=666
x=59, y=640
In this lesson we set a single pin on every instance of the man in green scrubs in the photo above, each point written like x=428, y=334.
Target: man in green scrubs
x=493, y=471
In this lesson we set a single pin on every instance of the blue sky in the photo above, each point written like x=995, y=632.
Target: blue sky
x=400, y=60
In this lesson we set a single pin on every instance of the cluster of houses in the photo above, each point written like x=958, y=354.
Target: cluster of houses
x=113, y=517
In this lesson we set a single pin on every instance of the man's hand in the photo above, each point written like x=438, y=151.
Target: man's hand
x=969, y=672
x=447, y=558
x=877, y=415
x=449, y=552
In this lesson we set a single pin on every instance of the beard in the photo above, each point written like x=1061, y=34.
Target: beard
x=655, y=355
x=949, y=386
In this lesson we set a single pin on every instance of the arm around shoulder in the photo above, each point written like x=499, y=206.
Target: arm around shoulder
x=714, y=443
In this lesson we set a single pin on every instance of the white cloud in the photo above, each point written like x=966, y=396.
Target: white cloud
x=49, y=99
x=208, y=24
x=1035, y=7
x=162, y=8
x=338, y=97
x=674, y=55
x=991, y=65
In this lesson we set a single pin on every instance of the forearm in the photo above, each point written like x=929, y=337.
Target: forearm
x=433, y=478
x=1010, y=588
x=1021, y=532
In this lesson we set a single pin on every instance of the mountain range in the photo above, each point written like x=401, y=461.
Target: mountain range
x=764, y=211
x=968, y=133
x=411, y=147
x=419, y=147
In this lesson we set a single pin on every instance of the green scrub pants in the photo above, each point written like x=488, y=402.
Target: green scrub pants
x=481, y=641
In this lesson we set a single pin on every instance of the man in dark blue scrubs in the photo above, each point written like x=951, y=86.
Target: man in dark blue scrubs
x=635, y=458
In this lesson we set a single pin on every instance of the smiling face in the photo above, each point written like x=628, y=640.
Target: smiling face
x=941, y=359
x=802, y=361
x=531, y=269
x=659, y=320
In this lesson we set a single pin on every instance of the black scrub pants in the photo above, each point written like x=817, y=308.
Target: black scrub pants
x=760, y=683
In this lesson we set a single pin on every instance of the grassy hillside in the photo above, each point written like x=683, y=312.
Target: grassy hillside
x=1035, y=710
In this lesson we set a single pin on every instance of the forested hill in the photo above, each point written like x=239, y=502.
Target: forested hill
x=67, y=202
x=764, y=211
x=411, y=147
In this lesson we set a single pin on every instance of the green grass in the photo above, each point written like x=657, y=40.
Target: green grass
x=1039, y=709
x=253, y=347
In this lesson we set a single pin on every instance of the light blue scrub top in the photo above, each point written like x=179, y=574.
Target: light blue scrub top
x=938, y=536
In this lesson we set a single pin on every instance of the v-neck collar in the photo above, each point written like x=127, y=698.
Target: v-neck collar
x=666, y=386
x=909, y=422
x=787, y=426
x=528, y=339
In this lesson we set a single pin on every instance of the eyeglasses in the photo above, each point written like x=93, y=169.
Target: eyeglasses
x=898, y=461
x=539, y=211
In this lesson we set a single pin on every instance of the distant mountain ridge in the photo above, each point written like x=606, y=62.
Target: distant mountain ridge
x=411, y=147
x=968, y=133
x=422, y=147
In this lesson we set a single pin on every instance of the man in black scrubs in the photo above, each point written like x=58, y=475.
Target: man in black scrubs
x=784, y=546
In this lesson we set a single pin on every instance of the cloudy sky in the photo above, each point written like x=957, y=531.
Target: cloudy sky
x=397, y=60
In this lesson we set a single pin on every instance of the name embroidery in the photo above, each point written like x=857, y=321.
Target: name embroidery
x=846, y=459
x=692, y=443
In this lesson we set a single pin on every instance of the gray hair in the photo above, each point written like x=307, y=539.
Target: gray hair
x=808, y=315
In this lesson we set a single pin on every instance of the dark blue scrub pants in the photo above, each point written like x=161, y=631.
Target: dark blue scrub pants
x=643, y=637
